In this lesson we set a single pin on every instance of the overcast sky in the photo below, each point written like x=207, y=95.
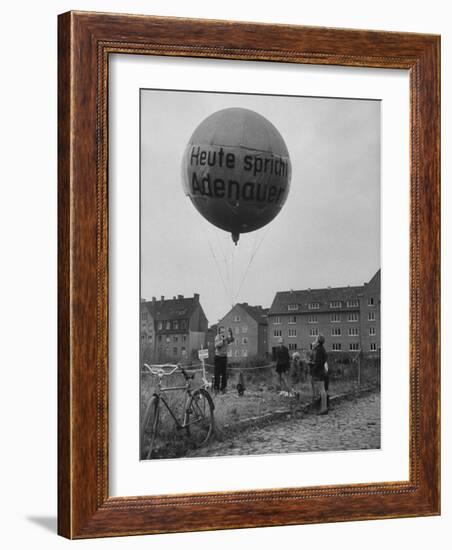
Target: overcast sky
x=327, y=234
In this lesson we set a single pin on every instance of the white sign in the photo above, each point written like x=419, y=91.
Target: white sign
x=203, y=354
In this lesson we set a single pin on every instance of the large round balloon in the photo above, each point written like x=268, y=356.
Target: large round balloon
x=236, y=170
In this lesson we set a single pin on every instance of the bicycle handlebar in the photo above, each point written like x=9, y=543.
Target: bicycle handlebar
x=160, y=370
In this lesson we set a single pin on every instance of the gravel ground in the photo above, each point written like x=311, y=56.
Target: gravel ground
x=350, y=424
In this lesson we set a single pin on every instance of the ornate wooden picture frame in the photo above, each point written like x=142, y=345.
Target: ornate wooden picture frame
x=86, y=41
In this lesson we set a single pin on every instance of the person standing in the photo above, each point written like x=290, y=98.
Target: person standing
x=296, y=375
x=282, y=364
x=318, y=371
x=221, y=357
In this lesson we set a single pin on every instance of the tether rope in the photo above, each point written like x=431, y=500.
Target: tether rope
x=253, y=255
x=207, y=365
x=218, y=268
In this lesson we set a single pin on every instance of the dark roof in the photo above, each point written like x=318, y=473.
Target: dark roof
x=176, y=308
x=322, y=296
x=376, y=280
x=258, y=313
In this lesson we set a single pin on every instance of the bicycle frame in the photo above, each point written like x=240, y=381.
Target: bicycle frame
x=187, y=391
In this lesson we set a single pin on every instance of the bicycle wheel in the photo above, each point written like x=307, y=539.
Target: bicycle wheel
x=199, y=420
x=149, y=427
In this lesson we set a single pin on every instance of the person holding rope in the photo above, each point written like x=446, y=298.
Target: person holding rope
x=220, y=360
x=282, y=357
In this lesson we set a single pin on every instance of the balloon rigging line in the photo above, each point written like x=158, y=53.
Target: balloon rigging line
x=223, y=252
x=253, y=255
x=218, y=268
x=207, y=233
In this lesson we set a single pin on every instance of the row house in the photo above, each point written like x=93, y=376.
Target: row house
x=348, y=317
x=172, y=329
x=250, y=329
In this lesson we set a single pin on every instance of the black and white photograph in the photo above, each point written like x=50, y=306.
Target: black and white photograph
x=260, y=274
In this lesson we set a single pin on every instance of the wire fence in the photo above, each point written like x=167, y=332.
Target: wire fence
x=350, y=367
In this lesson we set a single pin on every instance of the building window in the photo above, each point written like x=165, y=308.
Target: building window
x=335, y=318
x=277, y=333
x=183, y=325
x=292, y=307
x=277, y=321
x=372, y=331
x=237, y=330
x=352, y=303
x=245, y=340
x=176, y=325
x=313, y=319
x=337, y=346
x=292, y=333
x=292, y=347
x=370, y=302
x=245, y=328
x=174, y=351
x=293, y=320
x=313, y=332
x=184, y=338
x=245, y=353
x=168, y=325
x=314, y=305
x=175, y=338
x=150, y=338
x=336, y=304
x=353, y=317
x=168, y=339
x=353, y=331
x=373, y=346
x=160, y=325
x=160, y=338
x=229, y=352
x=237, y=353
x=237, y=319
x=371, y=316
x=336, y=331
x=354, y=346
x=183, y=350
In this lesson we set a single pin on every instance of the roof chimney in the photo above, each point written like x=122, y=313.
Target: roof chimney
x=153, y=299
x=180, y=296
x=162, y=298
x=196, y=296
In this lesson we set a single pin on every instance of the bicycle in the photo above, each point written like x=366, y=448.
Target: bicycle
x=197, y=419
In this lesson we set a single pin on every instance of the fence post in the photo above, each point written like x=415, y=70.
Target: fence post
x=359, y=368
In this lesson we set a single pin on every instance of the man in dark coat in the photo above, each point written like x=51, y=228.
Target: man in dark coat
x=318, y=371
